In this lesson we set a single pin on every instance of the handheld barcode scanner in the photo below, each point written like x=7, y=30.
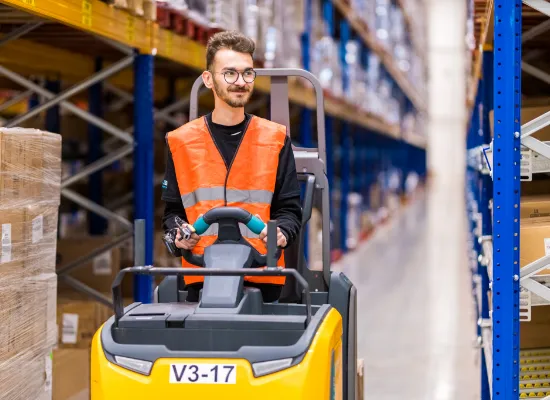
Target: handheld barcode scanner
x=231, y=344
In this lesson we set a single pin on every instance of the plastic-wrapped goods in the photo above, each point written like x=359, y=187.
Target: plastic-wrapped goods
x=370, y=14
x=385, y=94
x=177, y=5
x=360, y=9
x=383, y=23
x=293, y=26
x=372, y=83
x=355, y=201
x=30, y=182
x=282, y=36
x=223, y=14
x=326, y=59
x=401, y=50
x=356, y=89
x=197, y=11
x=27, y=336
x=265, y=18
x=250, y=18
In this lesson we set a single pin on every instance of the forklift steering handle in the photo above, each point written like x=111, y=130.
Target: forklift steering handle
x=253, y=223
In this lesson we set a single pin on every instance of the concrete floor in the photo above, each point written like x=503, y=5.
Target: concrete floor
x=416, y=322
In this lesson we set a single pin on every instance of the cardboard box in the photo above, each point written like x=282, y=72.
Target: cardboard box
x=536, y=187
x=30, y=167
x=13, y=249
x=99, y=273
x=41, y=238
x=27, y=377
x=21, y=166
x=534, y=241
x=535, y=206
x=534, y=334
x=51, y=182
x=29, y=238
x=78, y=319
x=71, y=373
x=27, y=315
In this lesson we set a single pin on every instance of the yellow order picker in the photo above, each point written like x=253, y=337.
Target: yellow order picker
x=232, y=345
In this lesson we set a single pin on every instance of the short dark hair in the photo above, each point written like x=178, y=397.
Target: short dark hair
x=231, y=40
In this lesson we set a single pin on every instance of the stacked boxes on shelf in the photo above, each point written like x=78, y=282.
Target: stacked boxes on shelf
x=387, y=23
x=146, y=9
x=30, y=178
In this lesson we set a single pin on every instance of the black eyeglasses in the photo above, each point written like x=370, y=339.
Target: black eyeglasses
x=233, y=76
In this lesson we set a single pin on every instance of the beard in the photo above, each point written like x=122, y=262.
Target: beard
x=225, y=95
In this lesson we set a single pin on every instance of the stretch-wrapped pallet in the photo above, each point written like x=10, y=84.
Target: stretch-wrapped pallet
x=30, y=177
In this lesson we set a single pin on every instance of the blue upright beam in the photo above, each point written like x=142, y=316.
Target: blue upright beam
x=506, y=178
x=345, y=36
x=486, y=89
x=97, y=225
x=53, y=121
x=357, y=160
x=144, y=167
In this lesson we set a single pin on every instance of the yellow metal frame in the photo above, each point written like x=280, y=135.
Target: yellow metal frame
x=98, y=18
x=486, y=44
x=93, y=16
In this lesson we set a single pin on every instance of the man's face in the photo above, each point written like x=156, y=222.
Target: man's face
x=229, y=65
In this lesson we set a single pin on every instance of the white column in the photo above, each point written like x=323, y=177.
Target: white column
x=447, y=265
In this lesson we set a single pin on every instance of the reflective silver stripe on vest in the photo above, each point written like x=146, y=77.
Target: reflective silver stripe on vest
x=233, y=196
x=249, y=196
x=245, y=232
x=202, y=194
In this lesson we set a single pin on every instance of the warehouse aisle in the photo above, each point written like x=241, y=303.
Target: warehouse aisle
x=415, y=326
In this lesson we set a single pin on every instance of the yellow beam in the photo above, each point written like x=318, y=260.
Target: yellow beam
x=92, y=16
x=488, y=24
x=179, y=49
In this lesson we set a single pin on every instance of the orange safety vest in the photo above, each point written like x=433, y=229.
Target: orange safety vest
x=205, y=181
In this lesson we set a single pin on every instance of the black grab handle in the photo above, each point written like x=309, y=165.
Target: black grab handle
x=117, y=289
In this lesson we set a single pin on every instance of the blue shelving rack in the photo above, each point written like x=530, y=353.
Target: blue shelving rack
x=359, y=145
x=499, y=160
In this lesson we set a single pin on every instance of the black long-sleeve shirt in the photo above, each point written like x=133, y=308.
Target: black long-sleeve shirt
x=285, y=206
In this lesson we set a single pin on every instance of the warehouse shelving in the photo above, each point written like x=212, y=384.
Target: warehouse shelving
x=503, y=157
x=85, y=42
x=371, y=42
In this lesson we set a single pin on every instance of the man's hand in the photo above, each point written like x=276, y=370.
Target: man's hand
x=281, y=238
x=187, y=244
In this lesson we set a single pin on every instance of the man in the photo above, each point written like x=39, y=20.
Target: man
x=232, y=158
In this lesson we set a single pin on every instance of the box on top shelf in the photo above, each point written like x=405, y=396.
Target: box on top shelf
x=283, y=34
x=222, y=14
